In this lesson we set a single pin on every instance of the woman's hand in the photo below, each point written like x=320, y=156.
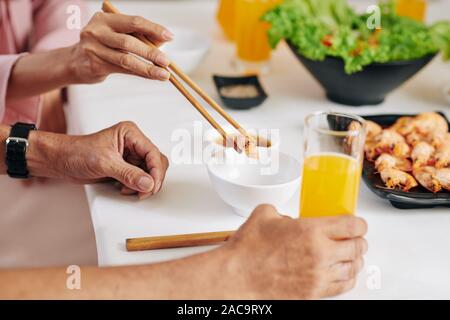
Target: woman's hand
x=277, y=257
x=121, y=152
x=107, y=46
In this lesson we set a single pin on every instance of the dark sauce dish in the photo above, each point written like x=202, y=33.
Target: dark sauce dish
x=416, y=198
x=240, y=103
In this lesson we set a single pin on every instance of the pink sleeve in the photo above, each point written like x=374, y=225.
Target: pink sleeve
x=50, y=31
x=55, y=25
x=26, y=110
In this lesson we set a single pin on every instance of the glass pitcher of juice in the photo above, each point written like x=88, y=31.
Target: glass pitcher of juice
x=253, y=49
x=415, y=9
x=332, y=165
x=226, y=17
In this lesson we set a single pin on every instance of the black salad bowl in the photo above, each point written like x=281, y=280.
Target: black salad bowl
x=367, y=87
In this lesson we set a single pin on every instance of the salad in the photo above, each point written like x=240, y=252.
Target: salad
x=331, y=28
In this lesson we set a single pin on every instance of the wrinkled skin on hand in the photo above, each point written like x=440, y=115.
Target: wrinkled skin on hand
x=285, y=258
x=121, y=152
x=107, y=46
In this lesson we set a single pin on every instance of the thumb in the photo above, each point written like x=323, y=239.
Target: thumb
x=133, y=177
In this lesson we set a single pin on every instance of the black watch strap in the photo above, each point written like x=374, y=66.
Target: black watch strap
x=16, y=148
x=22, y=130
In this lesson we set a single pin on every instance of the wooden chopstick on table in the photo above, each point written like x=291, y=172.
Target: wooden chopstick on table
x=178, y=241
x=109, y=8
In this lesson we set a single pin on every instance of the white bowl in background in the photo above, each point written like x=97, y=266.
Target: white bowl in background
x=243, y=187
x=187, y=49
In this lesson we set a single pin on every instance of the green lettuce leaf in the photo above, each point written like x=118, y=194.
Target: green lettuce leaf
x=321, y=28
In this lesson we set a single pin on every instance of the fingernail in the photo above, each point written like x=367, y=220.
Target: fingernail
x=162, y=60
x=167, y=35
x=145, y=184
x=163, y=74
x=158, y=186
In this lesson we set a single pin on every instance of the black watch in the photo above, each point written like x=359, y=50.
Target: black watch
x=16, y=149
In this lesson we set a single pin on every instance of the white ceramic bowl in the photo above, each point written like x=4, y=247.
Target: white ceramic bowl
x=188, y=49
x=244, y=187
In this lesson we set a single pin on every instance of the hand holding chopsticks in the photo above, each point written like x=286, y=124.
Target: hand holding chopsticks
x=250, y=142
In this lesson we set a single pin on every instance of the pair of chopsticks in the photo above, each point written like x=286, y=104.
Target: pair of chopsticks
x=197, y=239
x=173, y=69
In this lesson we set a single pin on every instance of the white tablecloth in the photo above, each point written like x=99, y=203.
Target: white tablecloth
x=409, y=254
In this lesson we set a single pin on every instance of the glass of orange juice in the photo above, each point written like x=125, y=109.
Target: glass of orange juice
x=415, y=9
x=252, y=45
x=332, y=165
x=226, y=17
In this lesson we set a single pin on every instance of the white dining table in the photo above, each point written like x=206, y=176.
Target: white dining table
x=409, y=250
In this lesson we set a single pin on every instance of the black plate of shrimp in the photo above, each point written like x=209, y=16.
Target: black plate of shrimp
x=407, y=159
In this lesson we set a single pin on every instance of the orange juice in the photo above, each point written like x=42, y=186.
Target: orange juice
x=414, y=9
x=251, y=33
x=226, y=17
x=330, y=185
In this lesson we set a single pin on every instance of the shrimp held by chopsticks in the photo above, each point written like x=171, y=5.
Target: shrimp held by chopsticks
x=242, y=143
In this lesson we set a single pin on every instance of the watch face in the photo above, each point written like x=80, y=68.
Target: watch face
x=16, y=150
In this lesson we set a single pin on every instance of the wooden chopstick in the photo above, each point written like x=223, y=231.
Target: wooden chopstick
x=178, y=241
x=207, y=98
x=109, y=8
x=198, y=106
